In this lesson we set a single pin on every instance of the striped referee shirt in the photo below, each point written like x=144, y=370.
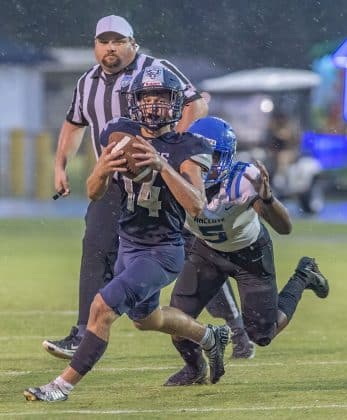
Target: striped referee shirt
x=99, y=97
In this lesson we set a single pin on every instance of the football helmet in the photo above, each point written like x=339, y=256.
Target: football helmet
x=158, y=114
x=223, y=141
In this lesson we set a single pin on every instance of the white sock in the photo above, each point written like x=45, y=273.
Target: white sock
x=208, y=340
x=66, y=387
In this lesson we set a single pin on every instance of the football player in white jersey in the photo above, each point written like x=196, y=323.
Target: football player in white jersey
x=229, y=239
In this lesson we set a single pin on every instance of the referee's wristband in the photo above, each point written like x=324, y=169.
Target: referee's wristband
x=269, y=200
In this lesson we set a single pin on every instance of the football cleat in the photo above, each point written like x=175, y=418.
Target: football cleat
x=215, y=355
x=243, y=348
x=189, y=375
x=307, y=269
x=49, y=393
x=65, y=348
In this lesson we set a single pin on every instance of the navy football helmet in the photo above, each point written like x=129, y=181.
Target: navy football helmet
x=155, y=115
x=223, y=141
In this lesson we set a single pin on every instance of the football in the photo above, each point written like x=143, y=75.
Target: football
x=125, y=142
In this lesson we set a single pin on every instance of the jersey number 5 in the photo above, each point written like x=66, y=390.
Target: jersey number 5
x=214, y=234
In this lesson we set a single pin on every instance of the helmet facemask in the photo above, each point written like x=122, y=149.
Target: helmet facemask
x=158, y=114
x=221, y=167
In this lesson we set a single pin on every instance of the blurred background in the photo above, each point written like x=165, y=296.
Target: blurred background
x=274, y=69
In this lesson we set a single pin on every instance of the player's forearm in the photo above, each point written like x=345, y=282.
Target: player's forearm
x=188, y=196
x=97, y=185
x=276, y=215
x=69, y=141
x=191, y=112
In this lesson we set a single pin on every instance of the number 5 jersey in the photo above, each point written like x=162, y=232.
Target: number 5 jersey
x=229, y=222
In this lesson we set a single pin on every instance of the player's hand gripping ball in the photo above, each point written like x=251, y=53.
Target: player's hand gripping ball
x=125, y=142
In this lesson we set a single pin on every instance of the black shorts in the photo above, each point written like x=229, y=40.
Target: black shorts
x=206, y=269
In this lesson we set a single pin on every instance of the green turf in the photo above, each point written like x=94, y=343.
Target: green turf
x=302, y=375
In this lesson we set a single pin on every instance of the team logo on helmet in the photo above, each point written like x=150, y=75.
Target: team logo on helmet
x=153, y=76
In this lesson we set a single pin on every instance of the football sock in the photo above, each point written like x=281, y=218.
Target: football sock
x=66, y=387
x=290, y=295
x=190, y=352
x=235, y=324
x=208, y=340
x=88, y=353
x=81, y=330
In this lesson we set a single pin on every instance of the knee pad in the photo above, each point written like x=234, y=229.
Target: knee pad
x=260, y=334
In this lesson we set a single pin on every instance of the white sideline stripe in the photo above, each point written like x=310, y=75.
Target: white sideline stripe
x=160, y=368
x=182, y=410
x=37, y=312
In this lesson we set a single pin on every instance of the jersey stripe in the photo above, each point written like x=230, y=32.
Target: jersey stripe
x=93, y=115
x=148, y=62
x=108, y=100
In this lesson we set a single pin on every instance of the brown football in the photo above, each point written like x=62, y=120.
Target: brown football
x=125, y=141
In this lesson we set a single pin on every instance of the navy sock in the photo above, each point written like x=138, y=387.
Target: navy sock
x=81, y=330
x=190, y=352
x=290, y=295
x=88, y=353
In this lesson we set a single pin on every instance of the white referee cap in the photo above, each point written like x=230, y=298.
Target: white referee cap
x=114, y=23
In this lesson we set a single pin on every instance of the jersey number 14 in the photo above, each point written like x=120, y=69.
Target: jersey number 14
x=148, y=196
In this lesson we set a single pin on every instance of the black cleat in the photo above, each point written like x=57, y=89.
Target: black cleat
x=215, y=355
x=189, y=375
x=49, y=393
x=308, y=270
x=243, y=348
x=65, y=348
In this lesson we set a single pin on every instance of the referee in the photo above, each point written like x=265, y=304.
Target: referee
x=98, y=98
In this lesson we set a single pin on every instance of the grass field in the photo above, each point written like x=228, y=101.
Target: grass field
x=301, y=375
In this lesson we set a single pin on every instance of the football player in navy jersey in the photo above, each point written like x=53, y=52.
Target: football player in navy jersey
x=230, y=240
x=151, y=253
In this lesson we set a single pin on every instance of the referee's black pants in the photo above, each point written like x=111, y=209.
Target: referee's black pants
x=99, y=248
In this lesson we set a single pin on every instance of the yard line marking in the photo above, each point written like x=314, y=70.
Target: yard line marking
x=161, y=368
x=38, y=312
x=21, y=337
x=41, y=337
x=17, y=373
x=182, y=410
x=111, y=370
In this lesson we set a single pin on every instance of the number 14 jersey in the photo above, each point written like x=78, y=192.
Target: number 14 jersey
x=150, y=214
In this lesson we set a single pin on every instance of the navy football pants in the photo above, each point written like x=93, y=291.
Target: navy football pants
x=205, y=271
x=140, y=273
